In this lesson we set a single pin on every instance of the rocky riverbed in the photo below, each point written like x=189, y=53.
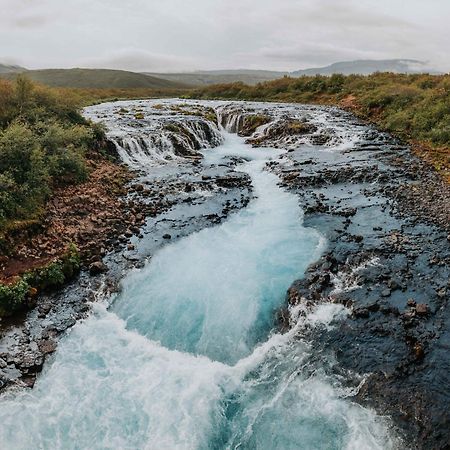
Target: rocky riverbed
x=385, y=215
x=107, y=218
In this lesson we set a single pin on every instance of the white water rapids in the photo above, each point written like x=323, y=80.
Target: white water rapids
x=185, y=358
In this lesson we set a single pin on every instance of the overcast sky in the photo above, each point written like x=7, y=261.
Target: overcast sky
x=173, y=35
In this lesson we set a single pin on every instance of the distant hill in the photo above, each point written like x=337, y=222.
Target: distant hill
x=252, y=77
x=208, y=77
x=7, y=68
x=367, y=67
x=98, y=79
x=121, y=79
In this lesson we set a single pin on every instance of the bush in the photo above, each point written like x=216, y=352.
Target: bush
x=43, y=143
x=55, y=273
x=12, y=297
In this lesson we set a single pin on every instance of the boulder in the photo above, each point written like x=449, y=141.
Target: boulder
x=97, y=267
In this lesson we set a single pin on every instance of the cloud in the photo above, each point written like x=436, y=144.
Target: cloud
x=30, y=21
x=172, y=35
x=140, y=60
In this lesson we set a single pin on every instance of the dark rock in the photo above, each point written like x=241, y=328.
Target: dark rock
x=361, y=313
x=97, y=268
x=422, y=309
x=419, y=351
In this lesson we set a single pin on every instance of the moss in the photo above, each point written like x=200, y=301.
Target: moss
x=252, y=122
x=15, y=296
x=211, y=116
x=172, y=127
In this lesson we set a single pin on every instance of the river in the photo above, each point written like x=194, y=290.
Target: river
x=187, y=355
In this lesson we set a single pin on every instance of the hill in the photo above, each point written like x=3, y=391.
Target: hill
x=8, y=68
x=367, y=67
x=209, y=77
x=98, y=79
x=252, y=77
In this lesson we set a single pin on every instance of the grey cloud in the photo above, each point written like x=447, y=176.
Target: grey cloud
x=157, y=35
x=31, y=21
x=140, y=61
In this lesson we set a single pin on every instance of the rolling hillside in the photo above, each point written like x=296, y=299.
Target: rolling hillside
x=252, y=77
x=205, y=78
x=367, y=67
x=98, y=79
x=7, y=68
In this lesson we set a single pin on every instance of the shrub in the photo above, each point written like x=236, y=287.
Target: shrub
x=12, y=297
x=57, y=272
x=43, y=143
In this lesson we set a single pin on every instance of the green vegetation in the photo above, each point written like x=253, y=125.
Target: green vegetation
x=17, y=295
x=13, y=297
x=98, y=79
x=252, y=122
x=43, y=143
x=415, y=107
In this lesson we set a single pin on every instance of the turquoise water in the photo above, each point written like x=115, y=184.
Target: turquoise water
x=185, y=359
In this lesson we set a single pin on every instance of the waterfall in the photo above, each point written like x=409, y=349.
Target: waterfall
x=186, y=356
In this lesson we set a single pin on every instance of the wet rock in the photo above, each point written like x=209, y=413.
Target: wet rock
x=97, y=268
x=422, y=309
x=361, y=313
x=47, y=346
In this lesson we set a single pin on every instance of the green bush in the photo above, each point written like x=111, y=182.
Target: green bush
x=43, y=143
x=55, y=273
x=12, y=297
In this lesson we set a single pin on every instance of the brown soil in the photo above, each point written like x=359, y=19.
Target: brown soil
x=87, y=215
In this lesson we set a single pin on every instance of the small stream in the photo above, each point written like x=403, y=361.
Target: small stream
x=186, y=356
